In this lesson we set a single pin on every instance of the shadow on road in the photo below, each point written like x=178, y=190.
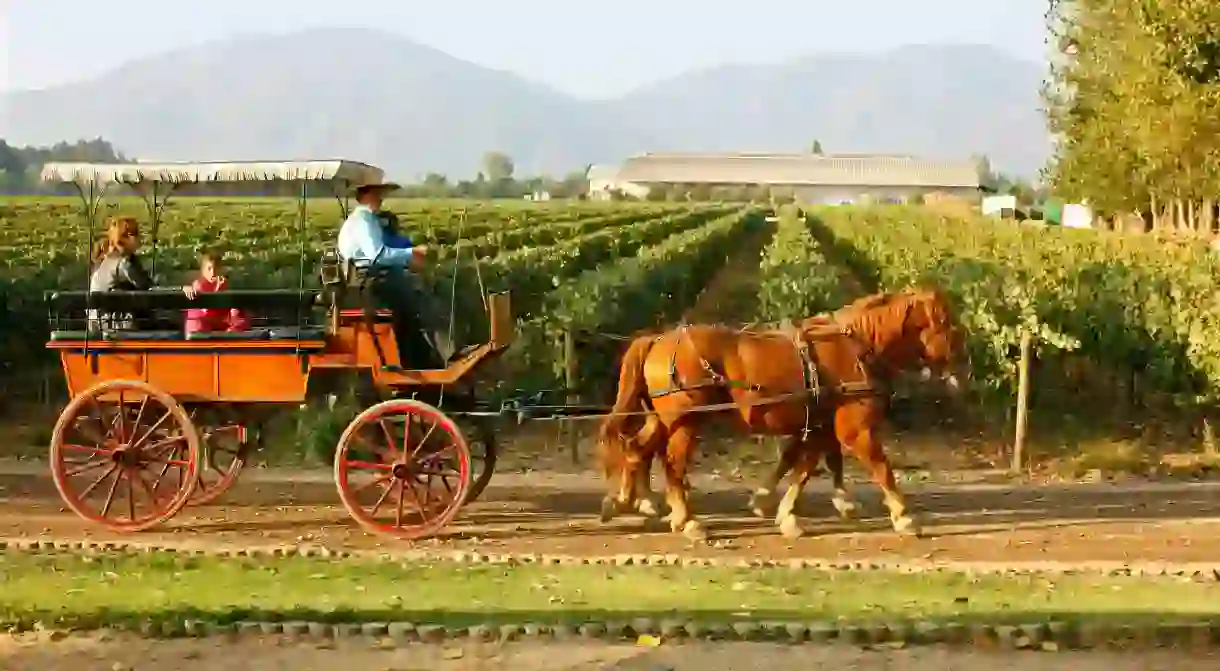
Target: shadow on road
x=511, y=507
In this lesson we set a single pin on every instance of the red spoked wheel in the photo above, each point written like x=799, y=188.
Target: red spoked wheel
x=227, y=448
x=403, y=469
x=125, y=455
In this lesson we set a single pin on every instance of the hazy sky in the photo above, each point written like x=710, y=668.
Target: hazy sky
x=587, y=48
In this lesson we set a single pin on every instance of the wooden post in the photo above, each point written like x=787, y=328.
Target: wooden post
x=1022, y=424
x=569, y=383
x=1209, y=437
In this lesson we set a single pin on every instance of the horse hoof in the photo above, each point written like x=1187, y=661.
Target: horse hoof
x=609, y=510
x=647, y=508
x=790, y=528
x=760, y=502
x=846, y=508
x=907, y=526
x=694, y=531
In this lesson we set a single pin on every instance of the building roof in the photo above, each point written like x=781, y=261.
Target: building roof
x=798, y=170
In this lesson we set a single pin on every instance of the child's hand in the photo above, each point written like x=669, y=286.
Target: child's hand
x=190, y=291
x=222, y=283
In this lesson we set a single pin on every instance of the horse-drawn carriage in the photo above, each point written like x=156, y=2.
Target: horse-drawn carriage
x=160, y=419
x=153, y=406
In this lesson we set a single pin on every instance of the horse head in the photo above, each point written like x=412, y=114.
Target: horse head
x=902, y=331
x=613, y=449
x=931, y=322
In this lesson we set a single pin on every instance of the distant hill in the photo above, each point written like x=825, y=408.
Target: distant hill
x=411, y=108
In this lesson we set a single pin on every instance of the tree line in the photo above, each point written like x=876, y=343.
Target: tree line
x=1133, y=100
x=20, y=166
x=497, y=178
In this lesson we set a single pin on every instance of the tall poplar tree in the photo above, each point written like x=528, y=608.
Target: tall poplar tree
x=1133, y=99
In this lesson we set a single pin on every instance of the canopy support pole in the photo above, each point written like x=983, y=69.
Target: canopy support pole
x=154, y=203
x=302, y=218
x=91, y=201
x=91, y=197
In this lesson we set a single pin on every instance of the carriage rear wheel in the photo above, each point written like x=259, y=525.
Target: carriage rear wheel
x=403, y=469
x=125, y=455
x=227, y=449
x=482, y=441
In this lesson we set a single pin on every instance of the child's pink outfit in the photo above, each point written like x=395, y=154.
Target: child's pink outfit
x=202, y=320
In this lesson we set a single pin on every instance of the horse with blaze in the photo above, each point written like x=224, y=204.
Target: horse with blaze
x=813, y=384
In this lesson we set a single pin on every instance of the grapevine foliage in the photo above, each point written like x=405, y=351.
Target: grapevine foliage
x=1134, y=302
x=795, y=278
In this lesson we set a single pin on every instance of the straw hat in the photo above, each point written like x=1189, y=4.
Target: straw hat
x=364, y=187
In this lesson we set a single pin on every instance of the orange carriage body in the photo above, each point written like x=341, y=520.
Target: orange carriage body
x=145, y=402
x=268, y=371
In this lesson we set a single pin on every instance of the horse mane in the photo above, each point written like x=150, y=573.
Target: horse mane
x=869, y=302
x=876, y=314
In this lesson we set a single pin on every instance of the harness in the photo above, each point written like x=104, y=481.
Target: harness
x=812, y=389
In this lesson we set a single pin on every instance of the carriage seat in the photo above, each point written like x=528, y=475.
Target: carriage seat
x=346, y=284
x=263, y=333
x=336, y=271
x=285, y=314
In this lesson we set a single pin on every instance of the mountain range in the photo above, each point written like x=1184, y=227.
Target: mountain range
x=413, y=109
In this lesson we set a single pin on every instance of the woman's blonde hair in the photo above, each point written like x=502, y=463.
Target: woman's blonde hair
x=118, y=229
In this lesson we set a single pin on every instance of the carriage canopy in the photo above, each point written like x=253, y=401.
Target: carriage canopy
x=219, y=172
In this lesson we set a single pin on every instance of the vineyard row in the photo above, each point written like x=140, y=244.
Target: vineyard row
x=1128, y=302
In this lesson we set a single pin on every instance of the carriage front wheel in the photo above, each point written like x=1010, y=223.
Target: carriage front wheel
x=403, y=469
x=125, y=455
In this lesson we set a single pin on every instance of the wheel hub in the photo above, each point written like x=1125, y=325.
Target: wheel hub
x=401, y=471
x=124, y=455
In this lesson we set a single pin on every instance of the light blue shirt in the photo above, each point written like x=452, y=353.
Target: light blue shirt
x=362, y=239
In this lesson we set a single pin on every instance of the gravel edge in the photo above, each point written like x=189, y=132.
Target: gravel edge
x=1206, y=572
x=1048, y=636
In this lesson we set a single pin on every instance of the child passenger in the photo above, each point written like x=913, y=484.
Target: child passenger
x=204, y=320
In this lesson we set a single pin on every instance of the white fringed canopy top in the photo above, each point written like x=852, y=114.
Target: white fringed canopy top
x=349, y=172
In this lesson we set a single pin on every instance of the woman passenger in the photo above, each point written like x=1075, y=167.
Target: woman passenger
x=116, y=267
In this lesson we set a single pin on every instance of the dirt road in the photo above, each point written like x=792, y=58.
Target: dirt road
x=539, y=513
x=91, y=654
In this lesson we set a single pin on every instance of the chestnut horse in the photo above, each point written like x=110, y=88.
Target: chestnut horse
x=812, y=385
x=884, y=360
x=883, y=363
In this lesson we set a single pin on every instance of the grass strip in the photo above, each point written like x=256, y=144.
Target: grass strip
x=82, y=591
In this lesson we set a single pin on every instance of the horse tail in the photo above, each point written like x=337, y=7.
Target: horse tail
x=631, y=398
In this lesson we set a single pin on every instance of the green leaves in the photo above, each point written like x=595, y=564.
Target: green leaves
x=532, y=272
x=1134, y=104
x=1131, y=302
x=795, y=278
x=638, y=292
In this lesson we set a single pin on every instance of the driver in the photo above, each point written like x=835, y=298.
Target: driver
x=362, y=240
